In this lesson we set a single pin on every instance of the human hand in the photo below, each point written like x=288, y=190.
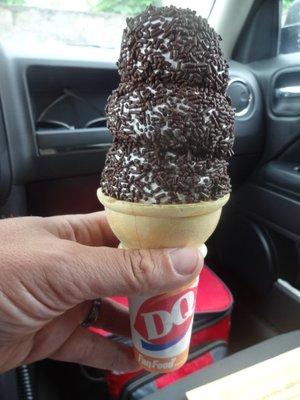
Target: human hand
x=50, y=271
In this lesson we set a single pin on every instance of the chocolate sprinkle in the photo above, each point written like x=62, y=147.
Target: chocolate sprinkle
x=174, y=44
x=197, y=120
x=171, y=122
x=167, y=177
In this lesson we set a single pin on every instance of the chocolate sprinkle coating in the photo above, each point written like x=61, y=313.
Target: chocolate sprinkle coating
x=161, y=176
x=171, y=122
x=172, y=45
x=197, y=120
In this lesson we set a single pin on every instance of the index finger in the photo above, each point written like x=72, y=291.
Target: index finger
x=87, y=229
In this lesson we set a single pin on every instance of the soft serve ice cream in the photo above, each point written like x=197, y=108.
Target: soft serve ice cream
x=170, y=118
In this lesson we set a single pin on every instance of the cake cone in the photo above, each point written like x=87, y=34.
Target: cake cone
x=150, y=226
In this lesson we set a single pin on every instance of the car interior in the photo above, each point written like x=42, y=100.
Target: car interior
x=53, y=142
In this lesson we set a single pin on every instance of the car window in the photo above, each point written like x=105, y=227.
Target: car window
x=97, y=23
x=290, y=26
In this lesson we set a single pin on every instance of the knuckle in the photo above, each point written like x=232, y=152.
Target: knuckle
x=84, y=354
x=120, y=359
x=62, y=281
x=142, y=269
x=62, y=256
x=114, y=363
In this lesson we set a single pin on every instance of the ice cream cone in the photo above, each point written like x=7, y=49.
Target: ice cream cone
x=172, y=128
x=142, y=226
x=150, y=226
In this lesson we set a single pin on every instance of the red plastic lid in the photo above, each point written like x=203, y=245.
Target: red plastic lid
x=213, y=295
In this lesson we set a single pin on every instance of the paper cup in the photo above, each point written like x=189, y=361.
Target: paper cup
x=161, y=328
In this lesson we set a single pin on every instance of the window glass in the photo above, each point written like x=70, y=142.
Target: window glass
x=97, y=23
x=290, y=26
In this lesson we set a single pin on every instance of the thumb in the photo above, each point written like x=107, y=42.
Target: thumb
x=104, y=271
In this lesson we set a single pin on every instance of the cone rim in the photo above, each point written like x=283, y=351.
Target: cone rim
x=161, y=210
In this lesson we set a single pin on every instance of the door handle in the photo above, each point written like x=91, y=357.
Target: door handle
x=288, y=92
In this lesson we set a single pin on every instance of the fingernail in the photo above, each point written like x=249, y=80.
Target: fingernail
x=185, y=260
x=203, y=250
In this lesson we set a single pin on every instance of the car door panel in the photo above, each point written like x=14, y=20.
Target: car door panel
x=258, y=239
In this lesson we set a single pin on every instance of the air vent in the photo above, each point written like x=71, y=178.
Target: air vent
x=241, y=96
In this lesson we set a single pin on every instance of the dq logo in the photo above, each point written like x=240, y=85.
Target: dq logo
x=163, y=320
